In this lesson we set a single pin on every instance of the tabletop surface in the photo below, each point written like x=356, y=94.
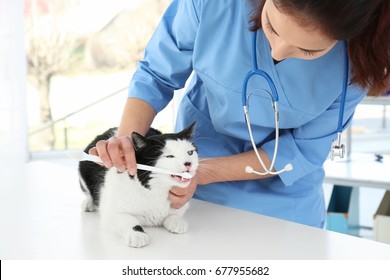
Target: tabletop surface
x=362, y=170
x=41, y=218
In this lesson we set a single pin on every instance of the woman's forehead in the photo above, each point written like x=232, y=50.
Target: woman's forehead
x=293, y=32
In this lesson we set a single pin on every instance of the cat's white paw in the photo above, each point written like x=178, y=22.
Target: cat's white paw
x=87, y=205
x=175, y=224
x=136, y=238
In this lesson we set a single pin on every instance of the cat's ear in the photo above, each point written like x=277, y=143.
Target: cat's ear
x=139, y=142
x=187, y=132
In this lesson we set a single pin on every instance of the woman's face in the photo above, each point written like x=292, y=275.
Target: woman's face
x=289, y=39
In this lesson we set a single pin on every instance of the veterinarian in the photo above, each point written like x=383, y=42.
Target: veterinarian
x=301, y=45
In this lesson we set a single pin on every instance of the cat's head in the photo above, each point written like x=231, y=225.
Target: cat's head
x=173, y=151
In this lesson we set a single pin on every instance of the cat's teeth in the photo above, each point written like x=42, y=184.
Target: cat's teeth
x=185, y=180
x=181, y=179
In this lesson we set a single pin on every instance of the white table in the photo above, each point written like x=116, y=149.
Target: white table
x=40, y=218
x=361, y=171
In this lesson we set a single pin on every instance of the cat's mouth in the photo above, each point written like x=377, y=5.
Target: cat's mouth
x=180, y=179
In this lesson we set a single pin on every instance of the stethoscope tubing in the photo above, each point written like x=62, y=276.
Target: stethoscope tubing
x=344, y=90
x=256, y=71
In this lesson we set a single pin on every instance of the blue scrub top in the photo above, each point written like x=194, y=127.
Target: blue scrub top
x=211, y=38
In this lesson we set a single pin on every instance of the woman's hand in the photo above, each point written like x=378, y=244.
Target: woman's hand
x=180, y=196
x=116, y=152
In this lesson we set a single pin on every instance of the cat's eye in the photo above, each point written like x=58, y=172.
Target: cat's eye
x=190, y=152
x=170, y=156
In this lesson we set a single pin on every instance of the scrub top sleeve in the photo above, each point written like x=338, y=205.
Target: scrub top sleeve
x=308, y=146
x=167, y=63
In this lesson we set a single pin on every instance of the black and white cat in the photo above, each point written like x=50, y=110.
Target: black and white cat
x=126, y=203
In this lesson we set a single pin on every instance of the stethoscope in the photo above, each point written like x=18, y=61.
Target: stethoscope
x=338, y=149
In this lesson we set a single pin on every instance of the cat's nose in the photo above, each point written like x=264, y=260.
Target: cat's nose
x=187, y=164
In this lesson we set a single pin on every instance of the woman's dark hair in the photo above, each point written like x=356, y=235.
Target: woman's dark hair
x=365, y=24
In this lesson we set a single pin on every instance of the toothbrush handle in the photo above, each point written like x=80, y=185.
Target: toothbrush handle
x=93, y=158
x=97, y=159
x=153, y=169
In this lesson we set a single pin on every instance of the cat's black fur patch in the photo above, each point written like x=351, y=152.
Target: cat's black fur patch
x=92, y=173
x=138, y=228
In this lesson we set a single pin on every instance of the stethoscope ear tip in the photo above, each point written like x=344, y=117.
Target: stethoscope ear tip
x=248, y=169
x=288, y=167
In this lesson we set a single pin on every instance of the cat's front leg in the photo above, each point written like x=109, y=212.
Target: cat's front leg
x=88, y=205
x=175, y=222
x=128, y=227
x=136, y=237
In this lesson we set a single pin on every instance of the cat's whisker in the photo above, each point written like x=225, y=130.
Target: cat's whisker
x=217, y=172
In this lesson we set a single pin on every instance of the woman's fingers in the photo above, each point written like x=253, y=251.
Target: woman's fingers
x=114, y=148
x=180, y=196
x=116, y=152
x=129, y=156
x=102, y=153
x=93, y=151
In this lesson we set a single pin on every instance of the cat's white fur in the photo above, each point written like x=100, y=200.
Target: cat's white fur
x=125, y=203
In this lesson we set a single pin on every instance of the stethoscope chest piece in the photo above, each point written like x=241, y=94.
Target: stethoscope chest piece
x=338, y=149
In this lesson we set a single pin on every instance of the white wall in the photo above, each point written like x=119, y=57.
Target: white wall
x=13, y=128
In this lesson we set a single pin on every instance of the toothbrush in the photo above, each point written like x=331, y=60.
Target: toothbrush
x=84, y=156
